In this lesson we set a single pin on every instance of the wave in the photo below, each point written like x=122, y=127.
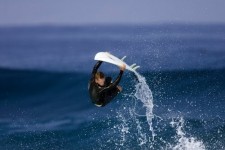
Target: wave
x=176, y=133
x=167, y=86
x=51, y=107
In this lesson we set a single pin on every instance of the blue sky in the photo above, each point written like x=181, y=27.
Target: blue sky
x=79, y=12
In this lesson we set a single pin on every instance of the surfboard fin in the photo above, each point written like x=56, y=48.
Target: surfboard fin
x=134, y=66
x=123, y=58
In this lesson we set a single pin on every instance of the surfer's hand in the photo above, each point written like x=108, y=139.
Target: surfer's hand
x=123, y=67
x=119, y=88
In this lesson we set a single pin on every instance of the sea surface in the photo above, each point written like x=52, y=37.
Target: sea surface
x=177, y=103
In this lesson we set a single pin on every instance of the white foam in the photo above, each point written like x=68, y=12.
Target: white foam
x=184, y=142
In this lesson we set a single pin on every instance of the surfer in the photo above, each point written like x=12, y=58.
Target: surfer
x=101, y=89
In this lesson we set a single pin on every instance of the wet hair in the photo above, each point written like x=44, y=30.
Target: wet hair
x=99, y=75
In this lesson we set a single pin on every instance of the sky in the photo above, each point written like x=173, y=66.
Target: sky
x=82, y=12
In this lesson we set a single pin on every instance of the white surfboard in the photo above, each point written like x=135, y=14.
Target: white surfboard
x=109, y=58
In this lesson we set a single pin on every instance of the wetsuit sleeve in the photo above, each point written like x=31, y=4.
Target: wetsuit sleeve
x=114, y=84
x=95, y=69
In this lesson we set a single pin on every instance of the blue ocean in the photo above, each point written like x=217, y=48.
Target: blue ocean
x=178, y=103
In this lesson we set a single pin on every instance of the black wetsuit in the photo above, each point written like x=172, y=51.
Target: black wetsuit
x=102, y=95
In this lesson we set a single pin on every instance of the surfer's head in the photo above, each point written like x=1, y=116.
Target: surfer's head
x=100, y=78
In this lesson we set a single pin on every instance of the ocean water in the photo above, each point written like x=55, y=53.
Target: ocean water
x=178, y=103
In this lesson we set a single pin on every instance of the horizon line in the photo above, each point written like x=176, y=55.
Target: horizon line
x=111, y=24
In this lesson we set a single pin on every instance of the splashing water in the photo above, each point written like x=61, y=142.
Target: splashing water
x=131, y=128
x=144, y=94
x=183, y=142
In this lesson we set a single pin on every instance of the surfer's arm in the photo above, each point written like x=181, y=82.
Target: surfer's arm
x=95, y=69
